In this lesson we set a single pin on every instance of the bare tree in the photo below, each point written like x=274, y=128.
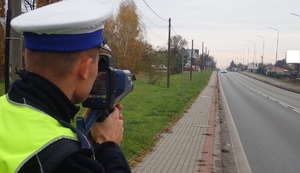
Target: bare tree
x=28, y=5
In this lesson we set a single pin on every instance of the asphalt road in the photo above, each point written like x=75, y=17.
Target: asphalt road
x=267, y=120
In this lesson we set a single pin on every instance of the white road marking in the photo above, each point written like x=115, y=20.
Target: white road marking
x=271, y=98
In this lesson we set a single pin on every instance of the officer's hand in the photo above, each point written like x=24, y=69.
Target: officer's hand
x=111, y=129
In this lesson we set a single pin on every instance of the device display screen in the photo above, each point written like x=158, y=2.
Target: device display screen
x=99, y=87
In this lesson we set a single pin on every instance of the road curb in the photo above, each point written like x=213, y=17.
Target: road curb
x=211, y=155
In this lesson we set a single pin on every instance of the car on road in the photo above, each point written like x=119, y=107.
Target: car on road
x=223, y=71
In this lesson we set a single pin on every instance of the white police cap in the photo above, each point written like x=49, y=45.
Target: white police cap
x=69, y=25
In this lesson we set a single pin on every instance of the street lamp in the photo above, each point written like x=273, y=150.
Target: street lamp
x=248, y=53
x=238, y=58
x=243, y=55
x=253, y=53
x=298, y=63
x=276, y=47
x=262, y=56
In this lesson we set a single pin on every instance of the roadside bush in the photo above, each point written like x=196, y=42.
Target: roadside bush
x=154, y=76
x=152, y=73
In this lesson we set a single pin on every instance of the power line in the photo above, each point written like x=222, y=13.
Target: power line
x=151, y=30
x=154, y=11
x=155, y=34
x=174, y=30
x=150, y=20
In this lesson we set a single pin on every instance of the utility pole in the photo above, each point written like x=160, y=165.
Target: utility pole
x=205, y=57
x=202, y=59
x=183, y=54
x=13, y=44
x=192, y=54
x=169, y=54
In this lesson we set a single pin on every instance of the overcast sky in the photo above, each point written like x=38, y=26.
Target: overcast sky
x=225, y=26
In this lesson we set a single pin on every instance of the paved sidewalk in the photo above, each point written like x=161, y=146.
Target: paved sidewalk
x=189, y=147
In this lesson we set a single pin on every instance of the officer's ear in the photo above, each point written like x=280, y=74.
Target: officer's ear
x=84, y=67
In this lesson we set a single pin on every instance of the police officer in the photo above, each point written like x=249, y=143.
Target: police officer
x=62, y=42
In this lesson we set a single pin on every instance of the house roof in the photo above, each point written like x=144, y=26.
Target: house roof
x=278, y=69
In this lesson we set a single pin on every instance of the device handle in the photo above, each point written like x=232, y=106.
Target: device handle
x=95, y=115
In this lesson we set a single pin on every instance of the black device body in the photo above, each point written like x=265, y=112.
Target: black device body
x=110, y=86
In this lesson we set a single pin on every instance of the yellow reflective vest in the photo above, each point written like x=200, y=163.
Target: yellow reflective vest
x=24, y=132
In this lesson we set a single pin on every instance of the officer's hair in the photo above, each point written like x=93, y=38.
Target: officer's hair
x=60, y=63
